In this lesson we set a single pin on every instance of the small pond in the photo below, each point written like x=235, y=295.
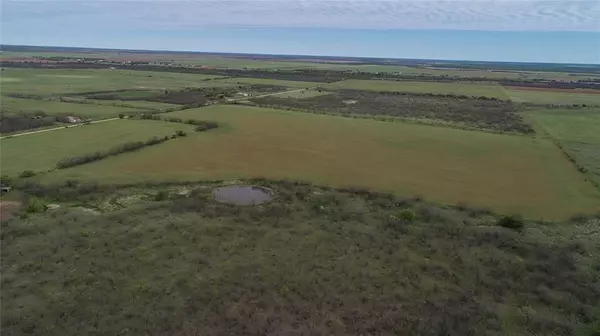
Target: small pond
x=242, y=195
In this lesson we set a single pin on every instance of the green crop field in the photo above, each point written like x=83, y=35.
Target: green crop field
x=266, y=81
x=40, y=152
x=69, y=81
x=550, y=97
x=507, y=173
x=17, y=105
x=475, y=90
x=578, y=131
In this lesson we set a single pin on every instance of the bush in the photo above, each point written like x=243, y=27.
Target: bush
x=27, y=173
x=34, y=204
x=121, y=115
x=161, y=195
x=407, y=215
x=511, y=222
x=6, y=181
x=180, y=133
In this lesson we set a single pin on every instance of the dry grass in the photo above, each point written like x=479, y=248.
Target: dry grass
x=506, y=173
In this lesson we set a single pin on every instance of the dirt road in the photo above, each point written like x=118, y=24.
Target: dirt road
x=55, y=128
x=103, y=120
x=266, y=95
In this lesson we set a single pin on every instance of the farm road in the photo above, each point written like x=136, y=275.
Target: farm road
x=103, y=120
x=55, y=128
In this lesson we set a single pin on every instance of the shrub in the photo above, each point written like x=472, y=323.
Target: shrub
x=511, y=222
x=34, y=204
x=6, y=180
x=161, y=195
x=27, y=173
x=121, y=115
x=407, y=215
x=181, y=133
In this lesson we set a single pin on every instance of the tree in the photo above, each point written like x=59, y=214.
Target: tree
x=27, y=173
x=514, y=222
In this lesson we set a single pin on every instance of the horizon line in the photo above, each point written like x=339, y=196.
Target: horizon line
x=2, y=45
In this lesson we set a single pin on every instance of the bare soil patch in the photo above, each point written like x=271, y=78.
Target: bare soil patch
x=8, y=209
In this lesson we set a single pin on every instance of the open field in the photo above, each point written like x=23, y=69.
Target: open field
x=506, y=173
x=44, y=150
x=473, y=90
x=551, y=97
x=69, y=81
x=578, y=132
x=141, y=104
x=17, y=105
x=304, y=94
x=266, y=81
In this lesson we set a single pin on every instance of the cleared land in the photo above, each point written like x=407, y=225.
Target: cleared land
x=472, y=90
x=266, y=81
x=17, y=106
x=578, y=132
x=551, y=97
x=68, y=81
x=40, y=152
x=304, y=94
x=507, y=173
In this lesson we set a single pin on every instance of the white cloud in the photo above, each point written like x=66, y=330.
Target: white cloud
x=424, y=14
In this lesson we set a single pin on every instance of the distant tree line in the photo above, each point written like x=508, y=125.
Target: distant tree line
x=201, y=125
x=116, y=150
x=320, y=75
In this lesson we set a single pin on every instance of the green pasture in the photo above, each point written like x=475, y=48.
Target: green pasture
x=41, y=151
x=69, y=81
x=265, y=81
x=510, y=174
x=474, y=90
x=18, y=105
x=550, y=97
x=578, y=132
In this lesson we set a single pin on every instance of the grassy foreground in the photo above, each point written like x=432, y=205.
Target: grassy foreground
x=315, y=261
x=510, y=174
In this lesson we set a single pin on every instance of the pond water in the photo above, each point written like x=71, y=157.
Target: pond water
x=242, y=195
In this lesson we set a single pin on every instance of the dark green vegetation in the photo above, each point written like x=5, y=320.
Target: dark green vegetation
x=116, y=150
x=461, y=110
x=24, y=121
x=167, y=259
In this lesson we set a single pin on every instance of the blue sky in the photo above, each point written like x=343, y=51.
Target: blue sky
x=501, y=30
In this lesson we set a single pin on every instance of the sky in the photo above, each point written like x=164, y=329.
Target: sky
x=501, y=30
